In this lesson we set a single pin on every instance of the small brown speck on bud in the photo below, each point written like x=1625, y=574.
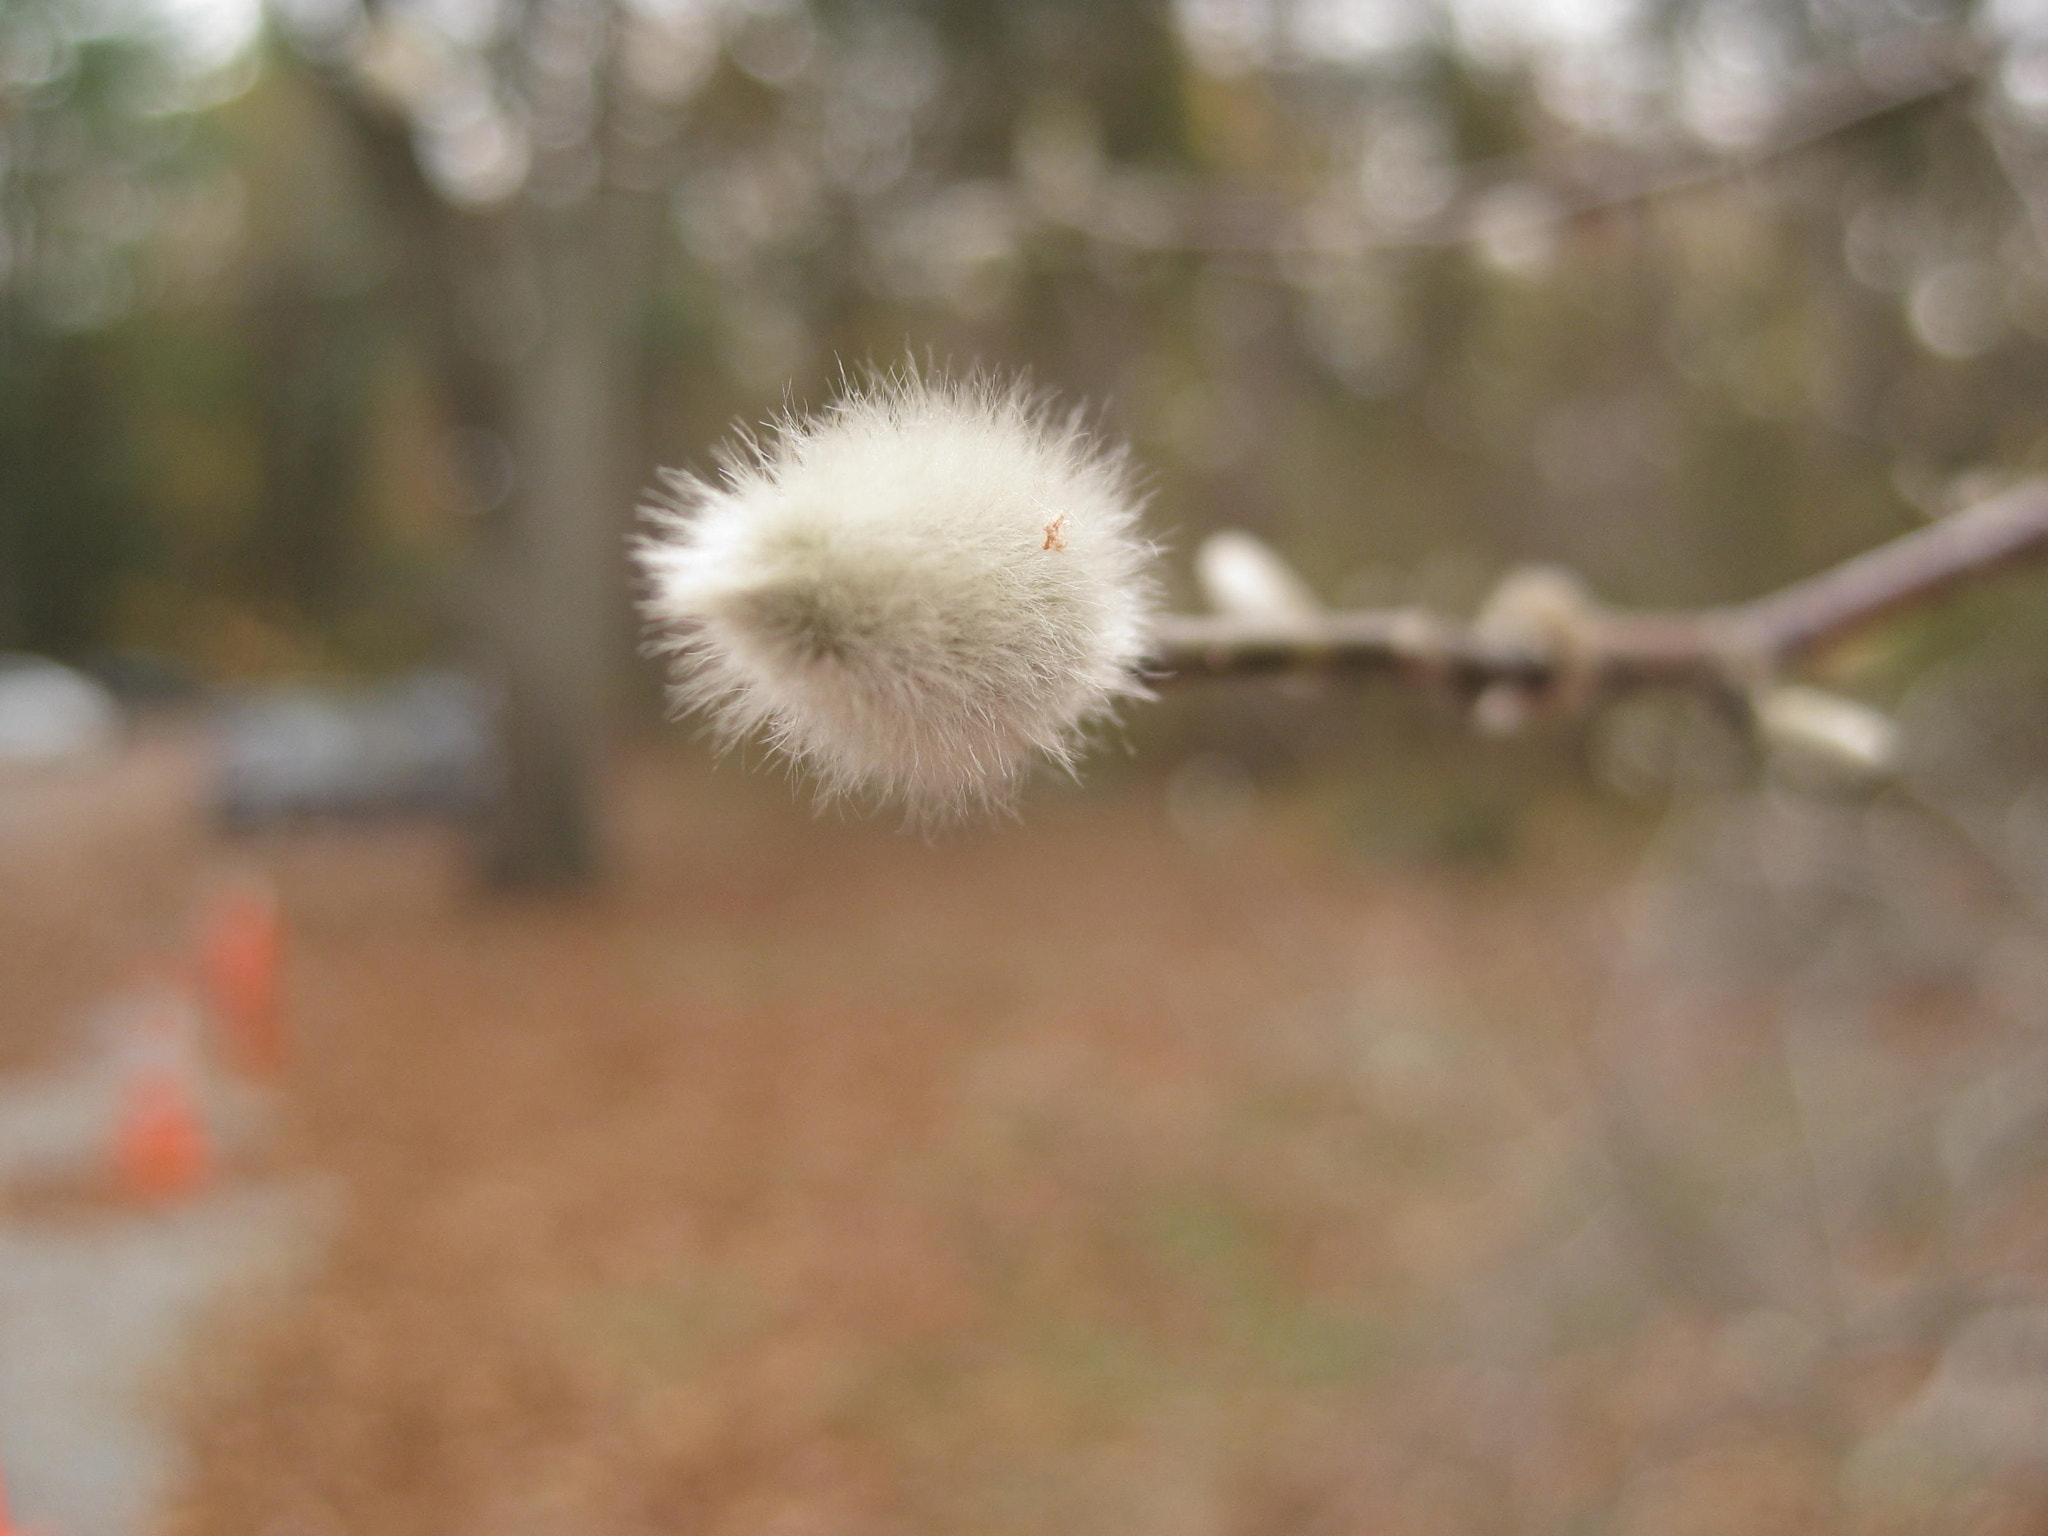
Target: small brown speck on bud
x=1055, y=535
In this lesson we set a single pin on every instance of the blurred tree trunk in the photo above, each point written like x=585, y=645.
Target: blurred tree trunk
x=543, y=576
x=550, y=565
x=532, y=320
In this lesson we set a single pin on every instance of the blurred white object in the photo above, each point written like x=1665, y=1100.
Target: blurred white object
x=51, y=714
x=421, y=743
x=1826, y=739
x=1244, y=578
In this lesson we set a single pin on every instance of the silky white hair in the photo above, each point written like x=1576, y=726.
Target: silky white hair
x=911, y=593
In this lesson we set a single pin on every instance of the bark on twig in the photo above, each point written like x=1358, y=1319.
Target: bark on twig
x=1729, y=650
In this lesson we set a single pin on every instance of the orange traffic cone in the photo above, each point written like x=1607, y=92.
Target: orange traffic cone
x=162, y=1150
x=241, y=954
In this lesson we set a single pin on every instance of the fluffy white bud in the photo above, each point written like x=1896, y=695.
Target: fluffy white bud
x=911, y=593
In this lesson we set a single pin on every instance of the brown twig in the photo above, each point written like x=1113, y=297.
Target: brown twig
x=1727, y=650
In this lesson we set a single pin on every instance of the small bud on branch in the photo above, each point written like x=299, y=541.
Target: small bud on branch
x=1823, y=740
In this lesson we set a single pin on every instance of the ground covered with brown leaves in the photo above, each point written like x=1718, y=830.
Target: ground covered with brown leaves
x=811, y=1179
x=815, y=1178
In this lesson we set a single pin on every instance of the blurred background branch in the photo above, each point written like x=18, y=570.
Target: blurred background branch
x=1545, y=188
x=1592, y=651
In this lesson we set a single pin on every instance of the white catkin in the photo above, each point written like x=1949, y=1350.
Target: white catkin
x=911, y=594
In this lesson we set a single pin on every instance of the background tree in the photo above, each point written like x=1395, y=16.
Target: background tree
x=1696, y=298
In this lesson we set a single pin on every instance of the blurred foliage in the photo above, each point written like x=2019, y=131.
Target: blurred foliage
x=1344, y=273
